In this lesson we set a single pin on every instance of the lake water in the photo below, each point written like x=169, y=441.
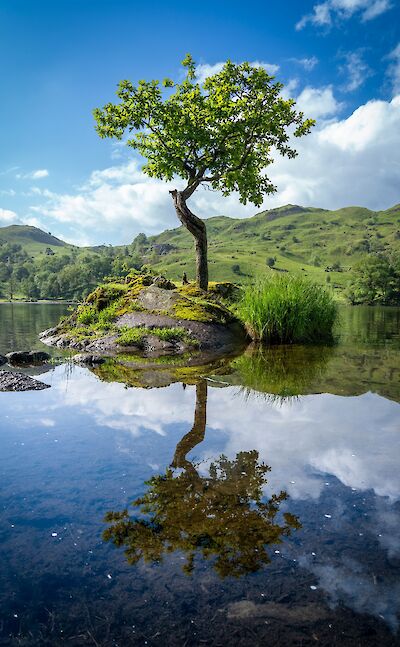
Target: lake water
x=268, y=489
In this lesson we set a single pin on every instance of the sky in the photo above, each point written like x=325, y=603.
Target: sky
x=339, y=59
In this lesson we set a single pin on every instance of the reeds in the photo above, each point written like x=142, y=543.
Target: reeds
x=287, y=308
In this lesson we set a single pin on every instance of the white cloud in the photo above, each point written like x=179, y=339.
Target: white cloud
x=325, y=13
x=346, y=161
x=371, y=125
x=205, y=69
x=307, y=63
x=356, y=71
x=376, y=9
x=394, y=69
x=353, y=161
x=39, y=174
x=8, y=217
x=318, y=102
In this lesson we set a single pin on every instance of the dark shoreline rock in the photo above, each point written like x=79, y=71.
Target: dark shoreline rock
x=10, y=381
x=27, y=358
x=3, y=360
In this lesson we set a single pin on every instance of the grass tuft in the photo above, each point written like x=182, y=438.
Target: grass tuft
x=136, y=336
x=287, y=308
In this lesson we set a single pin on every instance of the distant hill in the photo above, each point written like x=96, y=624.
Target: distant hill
x=303, y=239
x=32, y=239
x=314, y=241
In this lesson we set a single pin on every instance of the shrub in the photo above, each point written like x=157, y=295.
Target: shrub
x=270, y=261
x=87, y=315
x=286, y=308
x=132, y=336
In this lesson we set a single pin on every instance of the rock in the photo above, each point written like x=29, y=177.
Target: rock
x=10, y=381
x=50, y=332
x=88, y=359
x=153, y=344
x=155, y=298
x=210, y=336
x=39, y=356
x=18, y=357
x=163, y=283
x=27, y=358
x=3, y=360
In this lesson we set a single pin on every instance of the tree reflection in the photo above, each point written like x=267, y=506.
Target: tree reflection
x=223, y=515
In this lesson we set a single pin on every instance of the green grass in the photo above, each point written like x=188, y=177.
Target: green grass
x=136, y=336
x=306, y=241
x=87, y=315
x=286, y=308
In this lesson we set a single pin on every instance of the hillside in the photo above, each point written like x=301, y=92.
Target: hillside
x=319, y=243
x=307, y=240
x=33, y=240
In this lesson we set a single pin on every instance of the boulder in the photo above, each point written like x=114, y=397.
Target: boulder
x=3, y=360
x=10, y=381
x=156, y=298
x=88, y=359
x=27, y=358
x=163, y=283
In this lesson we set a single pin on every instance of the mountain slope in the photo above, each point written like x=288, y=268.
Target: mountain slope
x=32, y=239
x=303, y=239
x=316, y=242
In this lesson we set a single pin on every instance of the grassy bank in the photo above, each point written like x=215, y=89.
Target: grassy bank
x=283, y=308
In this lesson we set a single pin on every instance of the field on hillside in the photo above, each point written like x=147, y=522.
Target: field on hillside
x=314, y=242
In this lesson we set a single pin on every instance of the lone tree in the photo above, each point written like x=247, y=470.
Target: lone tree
x=221, y=133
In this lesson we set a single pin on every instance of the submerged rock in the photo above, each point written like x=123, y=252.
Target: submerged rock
x=26, y=358
x=10, y=381
x=88, y=359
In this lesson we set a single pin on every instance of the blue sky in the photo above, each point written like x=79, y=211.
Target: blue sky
x=59, y=59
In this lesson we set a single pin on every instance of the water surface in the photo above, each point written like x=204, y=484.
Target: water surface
x=266, y=498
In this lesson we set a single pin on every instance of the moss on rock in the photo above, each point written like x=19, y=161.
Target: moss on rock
x=202, y=318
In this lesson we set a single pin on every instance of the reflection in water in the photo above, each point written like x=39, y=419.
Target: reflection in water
x=282, y=371
x=222, y=515
x=350, y=368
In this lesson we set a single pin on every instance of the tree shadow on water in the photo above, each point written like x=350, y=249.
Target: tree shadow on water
x=223, y=516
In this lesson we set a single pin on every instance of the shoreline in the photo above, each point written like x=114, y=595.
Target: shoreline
x=40, y=302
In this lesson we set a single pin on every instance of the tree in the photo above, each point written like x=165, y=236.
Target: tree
x=218, y=133
x=224, y=516
x=375, y=279
x=270, y=261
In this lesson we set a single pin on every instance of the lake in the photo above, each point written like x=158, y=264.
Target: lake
x=265, y=494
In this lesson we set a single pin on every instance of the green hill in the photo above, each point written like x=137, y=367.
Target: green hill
x=33, y=240
x=318, y=243
x=313, y=241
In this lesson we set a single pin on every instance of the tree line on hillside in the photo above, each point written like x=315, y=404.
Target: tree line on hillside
x=375, y=279
x=55, y=275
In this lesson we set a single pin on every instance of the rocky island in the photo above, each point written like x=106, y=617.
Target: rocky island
x=150, y=316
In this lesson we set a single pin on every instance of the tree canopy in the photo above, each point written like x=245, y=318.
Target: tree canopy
x=375, y=279
x=222, y=132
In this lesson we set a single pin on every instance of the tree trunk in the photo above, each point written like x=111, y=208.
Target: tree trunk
x=197, y=432
x=197, y=228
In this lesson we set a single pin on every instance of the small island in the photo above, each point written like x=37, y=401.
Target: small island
x=150, y=316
